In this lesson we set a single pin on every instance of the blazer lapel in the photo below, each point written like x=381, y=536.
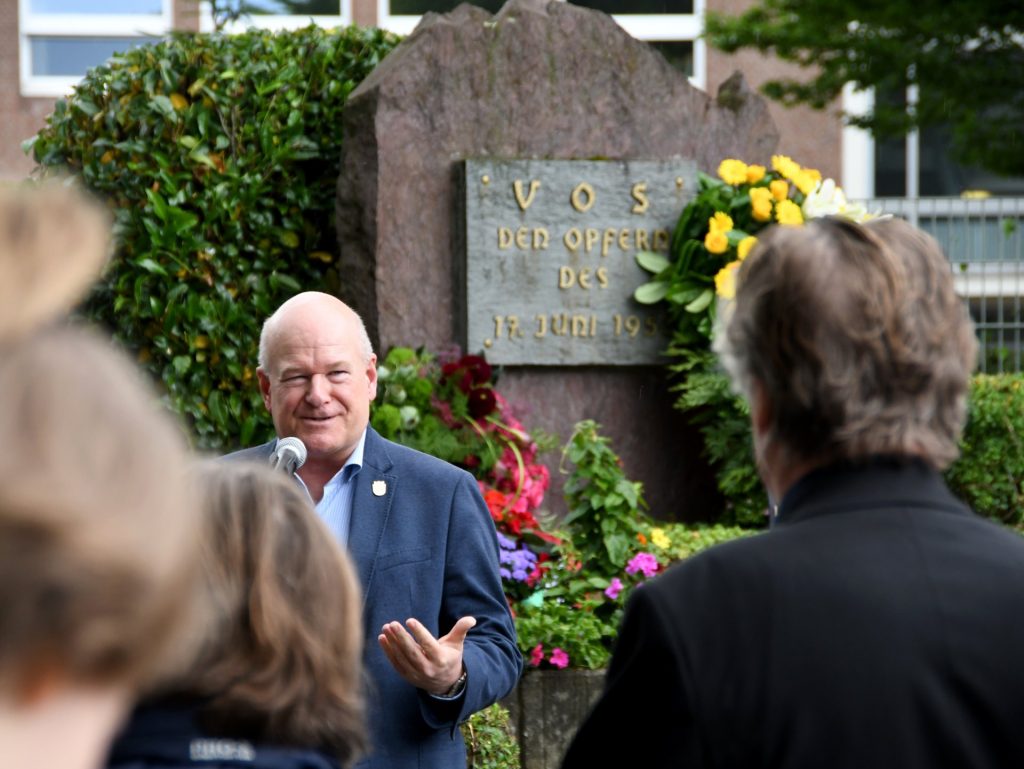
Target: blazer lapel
x=371, y=507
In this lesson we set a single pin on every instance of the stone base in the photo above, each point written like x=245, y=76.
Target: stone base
x=546, y=708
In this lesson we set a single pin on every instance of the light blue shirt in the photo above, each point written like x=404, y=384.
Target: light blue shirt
x=335, y=508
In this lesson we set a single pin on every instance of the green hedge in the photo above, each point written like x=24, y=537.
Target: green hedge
x=989, y=475
x=219, y=157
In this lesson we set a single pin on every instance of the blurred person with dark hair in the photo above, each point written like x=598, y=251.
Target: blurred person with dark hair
x=277, y=684
x=97, y=530
x=877, y=623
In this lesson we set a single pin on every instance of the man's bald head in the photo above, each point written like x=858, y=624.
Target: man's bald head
x=318, y=376
x=311, y=307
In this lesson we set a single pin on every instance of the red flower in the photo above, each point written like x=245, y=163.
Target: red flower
x=466, y=372
x=479, y=368
x=496, y=503
x=481, y=402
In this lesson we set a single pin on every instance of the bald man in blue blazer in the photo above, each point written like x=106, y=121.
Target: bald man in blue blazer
x=440, y=642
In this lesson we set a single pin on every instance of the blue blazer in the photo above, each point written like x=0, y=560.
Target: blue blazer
x=424, y=548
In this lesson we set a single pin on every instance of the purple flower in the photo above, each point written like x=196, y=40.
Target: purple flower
x=613, y=590
x=643, y=562
x=515, y=564
x=505, y=543
x=559, y=658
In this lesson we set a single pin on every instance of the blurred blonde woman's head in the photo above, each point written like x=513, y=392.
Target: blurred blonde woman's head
x=97, y=529
x=53, y=242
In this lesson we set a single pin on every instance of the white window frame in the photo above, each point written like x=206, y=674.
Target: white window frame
x=77, y=26
x=276, y=22
x=659, y=28
x=858, y=155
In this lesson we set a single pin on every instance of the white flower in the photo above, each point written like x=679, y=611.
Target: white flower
x=827, y=199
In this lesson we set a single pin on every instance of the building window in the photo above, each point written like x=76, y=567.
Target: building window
x=674, y=26
x=60, y=40
x=919, y=165
x=280, y=14
x=616, y=7
x=95, y=7
x=938, y=173
x=678, y=53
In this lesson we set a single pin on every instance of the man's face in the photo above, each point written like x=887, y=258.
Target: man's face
x=318, y=386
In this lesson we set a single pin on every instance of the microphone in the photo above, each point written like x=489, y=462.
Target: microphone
x=289, y=455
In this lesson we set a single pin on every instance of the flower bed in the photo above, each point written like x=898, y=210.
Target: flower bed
x=566, y=581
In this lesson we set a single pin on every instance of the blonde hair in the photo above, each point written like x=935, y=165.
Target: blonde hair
x=97, y=530
x=53, y=242
x=857, y=337
x=283, y=663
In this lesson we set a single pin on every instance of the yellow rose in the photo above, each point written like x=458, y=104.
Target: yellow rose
x=720, y=222
x=788, y=212
x=733, y=171
x=744, y=247
x=660, y=539
x=761, y=203
x=755, y=174
x=716, y=241
x=806, y=180
x=785, y=165
x=725, y=280
x=779, y=188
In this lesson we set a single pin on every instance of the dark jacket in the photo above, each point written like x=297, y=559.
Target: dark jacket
x=878, y=624
x=166, y=735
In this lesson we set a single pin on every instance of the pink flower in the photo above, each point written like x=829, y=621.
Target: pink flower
x=613, y=590
x=537, y=655
x=643, y=562
x=559, y=658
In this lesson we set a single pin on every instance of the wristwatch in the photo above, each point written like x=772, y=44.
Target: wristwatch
x=457, y=687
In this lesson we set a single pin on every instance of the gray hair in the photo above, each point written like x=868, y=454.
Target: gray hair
x=857, y=337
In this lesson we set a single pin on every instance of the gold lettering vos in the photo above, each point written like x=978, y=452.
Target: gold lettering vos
x=582, y=197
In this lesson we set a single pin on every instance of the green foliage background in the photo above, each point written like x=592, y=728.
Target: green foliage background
x=966, y=59
x=490, y=740
x=218, y=156
x=989, y=476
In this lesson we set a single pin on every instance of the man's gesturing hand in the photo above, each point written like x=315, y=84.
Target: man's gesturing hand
x=431, y=664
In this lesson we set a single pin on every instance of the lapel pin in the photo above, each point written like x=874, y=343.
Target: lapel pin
x=380, y=488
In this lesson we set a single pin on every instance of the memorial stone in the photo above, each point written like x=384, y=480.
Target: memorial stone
x=549, y=251
x=538, y=81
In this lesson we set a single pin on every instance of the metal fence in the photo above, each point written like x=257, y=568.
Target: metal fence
x=984, y=240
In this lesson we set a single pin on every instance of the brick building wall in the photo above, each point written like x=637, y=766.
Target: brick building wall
x=20, y=117
x=812, y=138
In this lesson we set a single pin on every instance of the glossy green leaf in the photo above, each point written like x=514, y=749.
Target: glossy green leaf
x=650, y=293
x=651, y=261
